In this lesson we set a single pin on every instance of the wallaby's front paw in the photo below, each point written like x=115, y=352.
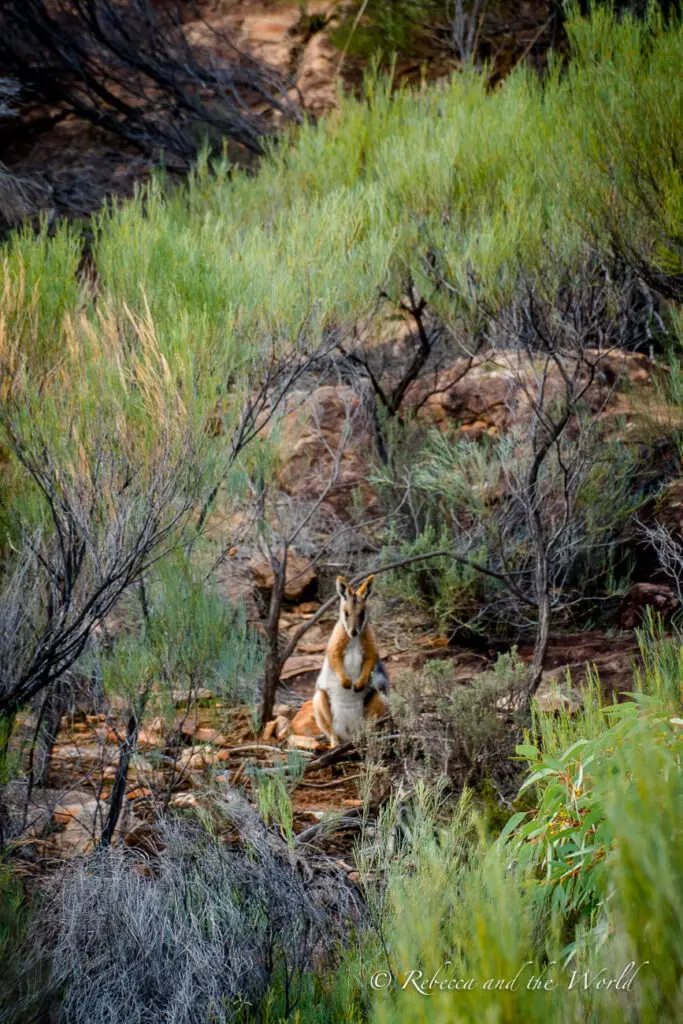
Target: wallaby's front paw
x=346, y=682
x=358, y=686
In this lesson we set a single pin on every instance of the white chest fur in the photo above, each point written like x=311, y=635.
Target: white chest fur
x=346, y=705
x=353, y=659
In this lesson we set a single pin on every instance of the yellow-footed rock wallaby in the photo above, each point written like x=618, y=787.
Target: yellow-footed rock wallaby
x=352, y=683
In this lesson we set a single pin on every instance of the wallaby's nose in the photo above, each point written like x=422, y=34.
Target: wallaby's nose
x=354, y=632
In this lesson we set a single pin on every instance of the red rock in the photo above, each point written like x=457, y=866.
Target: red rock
x=660, y=598
x=299, y=576
x=139, y=793
x=64, y=815
x=299, y=664
x=207, y=735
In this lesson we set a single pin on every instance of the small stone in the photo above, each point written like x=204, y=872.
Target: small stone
x=208, y=735
x=139, y=793
x=183, y=800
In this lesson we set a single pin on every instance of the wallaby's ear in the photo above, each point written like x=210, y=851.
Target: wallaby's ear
x=342, y=587
x=365, y=589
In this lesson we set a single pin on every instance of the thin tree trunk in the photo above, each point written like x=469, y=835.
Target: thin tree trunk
x=55, y=706
x=6, y=729
x=119, y=790
x=379, y=434
x=541, y=582
x=273, y=663
x=543, y=629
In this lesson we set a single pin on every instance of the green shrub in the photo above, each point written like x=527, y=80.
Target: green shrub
x=383, y=28
x=468, y=497
x=463, y=732
x=601, y=855
x=235, y=264
x=190, y=639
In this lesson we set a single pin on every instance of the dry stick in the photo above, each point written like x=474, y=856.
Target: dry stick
x=352, y=819
x=344, y=824
x=339, y=753
x=351, y=34
x=330, y=785
x=331, y=757
x=253, y=746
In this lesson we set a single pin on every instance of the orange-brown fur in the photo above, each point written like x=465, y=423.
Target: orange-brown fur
x=375, y=707
x=336, y=647
x=323, y=712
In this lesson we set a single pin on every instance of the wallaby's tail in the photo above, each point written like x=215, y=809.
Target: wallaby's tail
x=379, y=678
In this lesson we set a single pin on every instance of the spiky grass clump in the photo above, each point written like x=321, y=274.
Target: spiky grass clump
x=196, y=932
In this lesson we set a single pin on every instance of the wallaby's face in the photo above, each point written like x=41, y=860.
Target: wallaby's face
x=353, y=612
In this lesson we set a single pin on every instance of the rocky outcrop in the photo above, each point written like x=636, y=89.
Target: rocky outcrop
x=281, y=35
x=492, y=397
x=300, y=576
x=312, y=433
x=657, y=596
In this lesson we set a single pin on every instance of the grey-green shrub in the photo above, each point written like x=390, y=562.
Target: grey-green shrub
x=195, y=933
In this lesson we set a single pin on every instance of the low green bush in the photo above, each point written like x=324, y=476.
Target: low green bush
x=461, y=731
x=583, y=888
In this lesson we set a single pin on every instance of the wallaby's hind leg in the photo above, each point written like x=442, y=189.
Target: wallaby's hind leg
x=323, y=715
x=375, y=707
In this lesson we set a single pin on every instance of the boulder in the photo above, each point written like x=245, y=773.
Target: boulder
x=301, y=664
x=299, y=577
x=491, y=397
x=662, y=599
x=311, y=433
x=669, y=508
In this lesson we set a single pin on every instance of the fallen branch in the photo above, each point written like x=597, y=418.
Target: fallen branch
x=345, y=824
x=331, y=756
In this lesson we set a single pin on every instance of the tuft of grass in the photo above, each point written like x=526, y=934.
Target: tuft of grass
x=195, y=932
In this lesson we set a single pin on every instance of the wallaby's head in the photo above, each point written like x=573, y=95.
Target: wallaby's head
x=352, y=610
